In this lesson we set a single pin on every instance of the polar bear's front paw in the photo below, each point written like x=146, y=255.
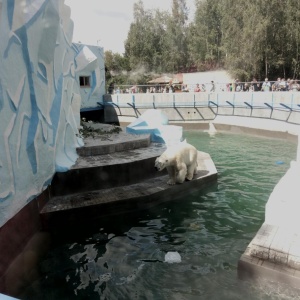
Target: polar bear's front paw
x=189, y=176
x=171, y=182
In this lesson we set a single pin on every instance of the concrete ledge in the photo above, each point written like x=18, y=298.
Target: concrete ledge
x=124, y=198
x=273, y=253
x=254, y=131
x=252, y=268
x=111, y=143
x=107, y=171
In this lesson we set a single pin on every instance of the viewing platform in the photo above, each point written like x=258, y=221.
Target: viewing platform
x=204, y=106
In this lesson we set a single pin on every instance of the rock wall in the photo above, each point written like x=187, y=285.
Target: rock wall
x=39, y=99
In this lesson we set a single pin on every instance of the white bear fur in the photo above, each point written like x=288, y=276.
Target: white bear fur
x=180, y=161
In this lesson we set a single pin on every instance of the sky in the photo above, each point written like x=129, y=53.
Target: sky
x=106, y=23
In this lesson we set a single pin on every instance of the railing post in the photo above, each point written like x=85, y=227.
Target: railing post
x=271, y=107
x=251, y=107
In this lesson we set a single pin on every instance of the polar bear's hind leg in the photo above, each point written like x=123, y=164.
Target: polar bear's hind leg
x=182, y=174
x=196, y=169
x=191, y=170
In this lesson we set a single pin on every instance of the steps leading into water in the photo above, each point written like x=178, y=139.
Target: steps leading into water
x=108, y=160
x=114, y=174
x=108, y=170
x=111, y=143
x=130, y=197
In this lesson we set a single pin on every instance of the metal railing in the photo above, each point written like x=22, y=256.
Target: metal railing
x=290, y=100
x=235, y=86
x=277, y=105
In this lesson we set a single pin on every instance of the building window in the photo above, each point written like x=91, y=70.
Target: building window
x=84, y=81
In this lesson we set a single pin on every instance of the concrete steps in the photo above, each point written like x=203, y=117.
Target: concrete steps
x=148, y=192
x=109, y=160
x=111, y=143
x=108, y=170
x=114, y=175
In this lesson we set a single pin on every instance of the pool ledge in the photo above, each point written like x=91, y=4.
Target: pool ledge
x=274, y=252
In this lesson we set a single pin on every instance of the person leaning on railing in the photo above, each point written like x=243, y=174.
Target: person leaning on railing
x=266, y=86
x=184, y=88
x=294, y=86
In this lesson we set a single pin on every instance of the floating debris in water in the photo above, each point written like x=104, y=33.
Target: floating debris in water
x=172, y=257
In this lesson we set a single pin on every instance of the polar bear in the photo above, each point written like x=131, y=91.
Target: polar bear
x=180, y=161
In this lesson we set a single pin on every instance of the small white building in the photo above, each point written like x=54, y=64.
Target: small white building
x=90, y=74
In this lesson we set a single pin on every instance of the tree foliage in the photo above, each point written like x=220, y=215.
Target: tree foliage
x=259, y=38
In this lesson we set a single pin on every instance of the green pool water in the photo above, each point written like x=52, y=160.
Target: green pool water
x=123, y=257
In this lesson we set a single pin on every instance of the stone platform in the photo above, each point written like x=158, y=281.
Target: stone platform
x=274, y=253
x=111, y=143
x=118, y=181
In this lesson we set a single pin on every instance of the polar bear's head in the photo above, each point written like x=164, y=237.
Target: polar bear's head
x=161, y=162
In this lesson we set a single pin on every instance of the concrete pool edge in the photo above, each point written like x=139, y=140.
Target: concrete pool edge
x=263, y=127
x=274, y=252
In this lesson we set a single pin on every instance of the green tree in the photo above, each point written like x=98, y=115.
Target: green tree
x=205, y=36
x=116, y=68
x=139, y=43
x=116, y=62
x=175, y=51
x=248, y=38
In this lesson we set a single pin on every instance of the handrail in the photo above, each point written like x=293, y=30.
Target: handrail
x=285, y=106
x=132, y=105
x=270, y=106
x=286, y=103
x=230, y=103
x=248, y=104
x=213, y=103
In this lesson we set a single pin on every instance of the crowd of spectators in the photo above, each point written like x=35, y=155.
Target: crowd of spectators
x=281, y=84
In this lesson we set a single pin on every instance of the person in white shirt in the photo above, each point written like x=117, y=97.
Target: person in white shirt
x=266, y=85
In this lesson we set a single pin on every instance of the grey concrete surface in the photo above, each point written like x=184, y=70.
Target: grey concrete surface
x=124, y=179
x=110, y=142
x=138, y=190
x=135, y=196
